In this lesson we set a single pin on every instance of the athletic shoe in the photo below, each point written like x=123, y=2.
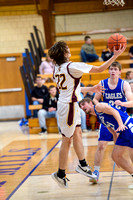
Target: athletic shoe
x=86, y=171
x=62, y=182
x=23, y=122
x=95, y=180
x=130, y=187
x=43, y=132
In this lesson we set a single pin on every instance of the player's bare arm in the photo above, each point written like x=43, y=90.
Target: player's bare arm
x=96, y=69
x=129, y=96
x=97, y=96
x=105, y=108
x=96, y=88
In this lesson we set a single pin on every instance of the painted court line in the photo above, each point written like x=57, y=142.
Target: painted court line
x=31, y=171
x=111, y=181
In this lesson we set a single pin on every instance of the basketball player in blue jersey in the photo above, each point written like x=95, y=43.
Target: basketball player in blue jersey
x=120, y=124
x=67, y=75
x=115, y=89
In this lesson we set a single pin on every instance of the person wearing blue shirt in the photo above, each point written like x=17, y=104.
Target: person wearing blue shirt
x=120, y=124
x=115, y=89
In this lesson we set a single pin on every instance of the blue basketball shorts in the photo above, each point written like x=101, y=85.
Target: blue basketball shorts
x=104, y=134
x=125, y=138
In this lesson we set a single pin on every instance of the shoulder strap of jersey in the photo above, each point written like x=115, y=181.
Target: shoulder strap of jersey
x=122, y=88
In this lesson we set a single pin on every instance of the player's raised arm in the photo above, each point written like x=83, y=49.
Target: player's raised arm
x=97, y=96
x=105, y=65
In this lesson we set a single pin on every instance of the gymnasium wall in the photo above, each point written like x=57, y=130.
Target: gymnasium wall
x=94, y=21
x=15, y=31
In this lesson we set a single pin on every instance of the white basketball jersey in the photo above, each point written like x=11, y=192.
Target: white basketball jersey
x=67, y=84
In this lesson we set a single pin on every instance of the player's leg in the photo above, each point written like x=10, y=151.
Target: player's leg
x=60, y=176
x=82, y=168
x=123, y=161
x=63, y=153
x=104, y=137
x=77, y=143
x=120, y=159
x=100, y=153
x=98, y=159
x=131, y=154
x=124, y=144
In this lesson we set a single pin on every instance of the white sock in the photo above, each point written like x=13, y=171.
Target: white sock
x=97, y=168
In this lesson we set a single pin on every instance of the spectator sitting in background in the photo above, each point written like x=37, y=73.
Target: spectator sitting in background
x=38, y=93
x=83, y=114
x=129, y=76
x=88, y=53
x=131, y=55
x=49, y=109
x=46, y=66
x=106, y=54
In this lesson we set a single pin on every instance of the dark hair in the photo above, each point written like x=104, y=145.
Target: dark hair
x=127, y=74
x=87, y=37
x=51, y=86
x=57, y=52
x=88, y=100
x=116, y=64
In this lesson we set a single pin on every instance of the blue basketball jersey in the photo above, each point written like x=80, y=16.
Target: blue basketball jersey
x=110, y=96
x=125, y=138
x=109, y=121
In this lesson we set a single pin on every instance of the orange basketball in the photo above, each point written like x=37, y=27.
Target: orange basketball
x=115, y=40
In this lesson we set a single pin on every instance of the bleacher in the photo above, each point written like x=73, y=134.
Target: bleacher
x=91, y=78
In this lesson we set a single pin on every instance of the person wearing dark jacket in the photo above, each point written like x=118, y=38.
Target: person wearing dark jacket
x=38, y=93
x=49, y=109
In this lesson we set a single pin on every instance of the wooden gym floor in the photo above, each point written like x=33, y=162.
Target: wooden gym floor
x=27, y=161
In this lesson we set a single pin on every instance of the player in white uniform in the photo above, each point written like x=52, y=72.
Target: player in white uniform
x=67, y=76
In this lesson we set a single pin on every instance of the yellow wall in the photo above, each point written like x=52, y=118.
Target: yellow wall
x=15, y=31
x=94, y=21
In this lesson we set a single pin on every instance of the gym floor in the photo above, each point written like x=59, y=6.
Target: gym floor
x=27, y=161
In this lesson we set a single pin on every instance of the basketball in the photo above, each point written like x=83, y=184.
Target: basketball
x=115, y=40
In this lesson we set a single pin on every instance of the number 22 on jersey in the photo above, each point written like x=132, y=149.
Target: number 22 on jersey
x=60, y=81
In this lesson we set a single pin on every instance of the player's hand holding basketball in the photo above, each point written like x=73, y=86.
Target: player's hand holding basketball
x=120, y=50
